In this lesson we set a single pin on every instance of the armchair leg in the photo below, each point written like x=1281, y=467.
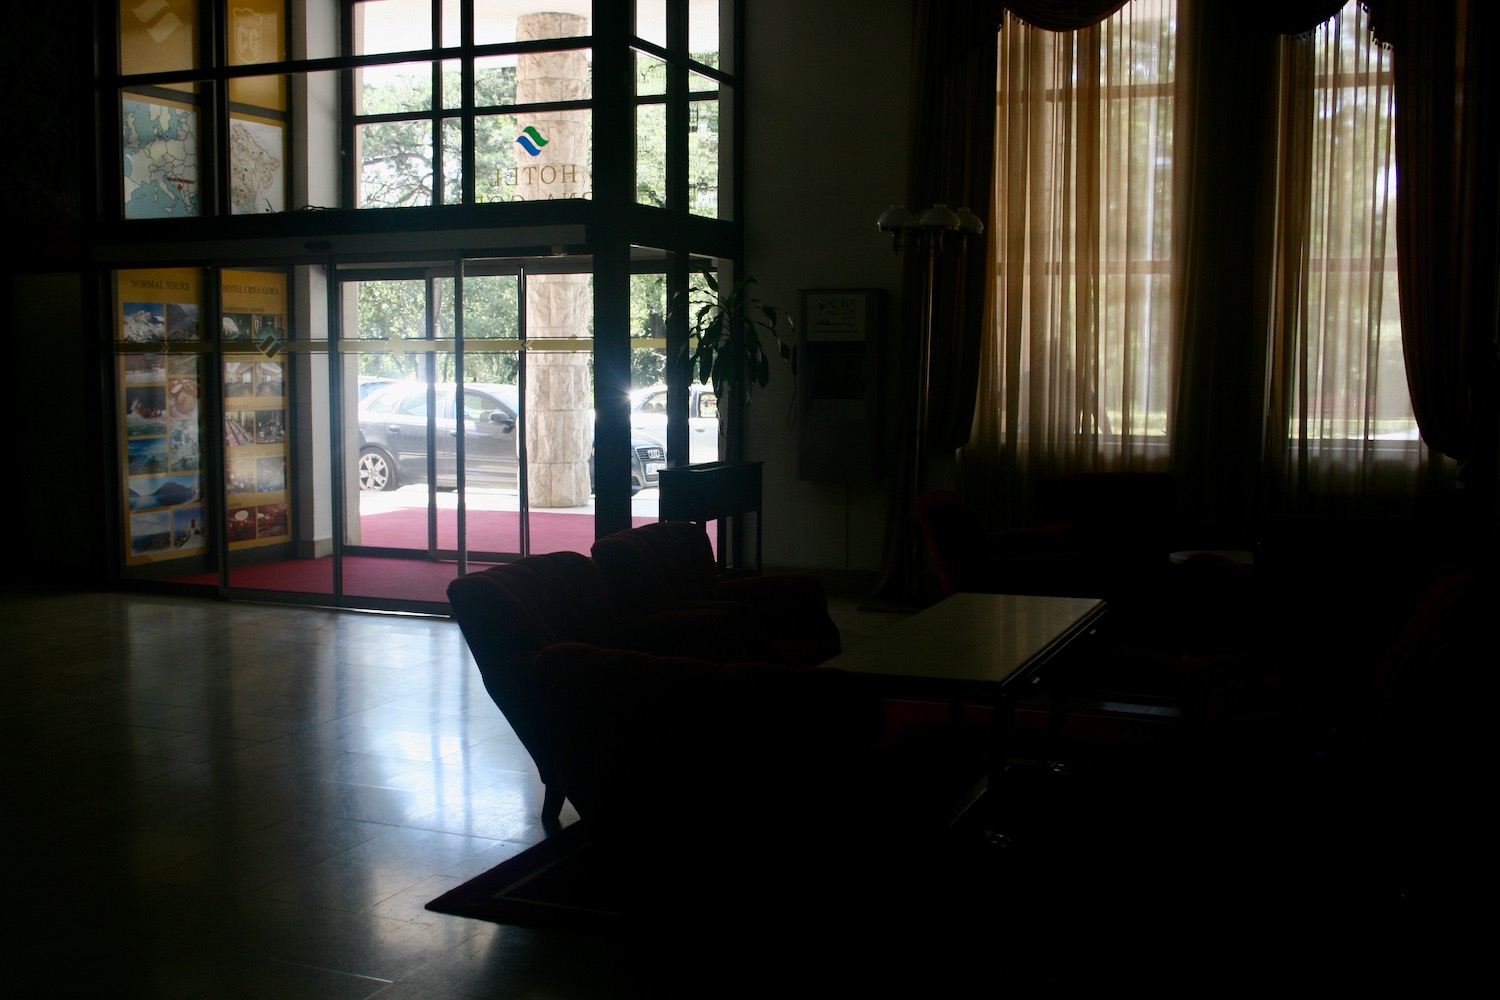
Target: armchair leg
x=552, y=801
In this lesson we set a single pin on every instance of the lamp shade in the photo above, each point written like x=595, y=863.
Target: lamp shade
x=939, y=216
x=895, y=219
x=969, y=222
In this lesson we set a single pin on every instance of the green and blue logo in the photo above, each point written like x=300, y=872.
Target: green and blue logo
x=531, y=140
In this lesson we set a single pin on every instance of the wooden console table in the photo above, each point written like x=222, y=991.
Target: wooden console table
x=712, y=491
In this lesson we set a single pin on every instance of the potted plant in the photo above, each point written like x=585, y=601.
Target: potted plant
x=723, y=346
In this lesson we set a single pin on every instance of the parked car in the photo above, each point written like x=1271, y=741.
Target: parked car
x=648, y=415
x=393, y=438
x=373, y=383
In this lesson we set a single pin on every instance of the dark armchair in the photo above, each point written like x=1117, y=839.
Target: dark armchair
x=510, y=613
x=755, y=805
x=669, y=565
x=971, y=557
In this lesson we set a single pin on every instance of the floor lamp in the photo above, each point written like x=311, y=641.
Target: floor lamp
x=931, y=233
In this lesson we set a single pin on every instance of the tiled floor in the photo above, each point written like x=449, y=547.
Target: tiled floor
x=205, y=799
x=212, y=800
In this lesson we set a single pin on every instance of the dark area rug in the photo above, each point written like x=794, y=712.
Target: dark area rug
x=561, y=882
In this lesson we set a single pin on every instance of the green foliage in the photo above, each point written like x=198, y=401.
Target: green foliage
x=723, y=346
x=395, y=310
x=397, y=169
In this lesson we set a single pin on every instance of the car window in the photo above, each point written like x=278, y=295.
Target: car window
x=478, y=406
x=413, y=404
x=381, y=401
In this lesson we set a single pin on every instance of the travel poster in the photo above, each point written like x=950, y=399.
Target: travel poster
x=253, y=326
x=158, y=348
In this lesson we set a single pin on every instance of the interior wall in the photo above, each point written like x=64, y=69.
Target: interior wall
x=827, y=97
x=56, y=430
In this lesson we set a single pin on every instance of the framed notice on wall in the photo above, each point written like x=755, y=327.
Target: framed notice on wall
x=839, y=314
x=839, y=372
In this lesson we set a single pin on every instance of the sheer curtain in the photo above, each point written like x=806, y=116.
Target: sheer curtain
x=1339, y=429
x=1076, y=372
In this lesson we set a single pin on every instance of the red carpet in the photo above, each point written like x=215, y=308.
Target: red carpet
x=489, y=530
x=417, y=579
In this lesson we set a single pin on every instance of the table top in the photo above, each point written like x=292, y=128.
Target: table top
x=973, y=642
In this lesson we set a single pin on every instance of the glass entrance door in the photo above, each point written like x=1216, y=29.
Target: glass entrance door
x=465, y=443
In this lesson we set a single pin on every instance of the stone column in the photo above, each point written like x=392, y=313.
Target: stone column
x=558, y=392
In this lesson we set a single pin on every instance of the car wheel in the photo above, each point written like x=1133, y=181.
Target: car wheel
x=376, y=471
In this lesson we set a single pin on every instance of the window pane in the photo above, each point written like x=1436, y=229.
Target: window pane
x=651, y=155
x=257, y=31
x=650, y=75
x=648, y=357
x=553, y=76
x=704, y=154
x=651, y=21
x=495, y=82
x=401, y=87
x=506, y=169
x=391, y=310
x=453, y=160
x=395, y=164
x=452, y=96
x=257, y=164
x=703, y=31
x=159, y=147
x=453, y=25
x=392, y=26
x=495, y=158
x=265, y=92
x=553, y=153
x=490, y=313
x=157, y=38
x=496, y=21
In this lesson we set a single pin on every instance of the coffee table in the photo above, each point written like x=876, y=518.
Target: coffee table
x=976, y=647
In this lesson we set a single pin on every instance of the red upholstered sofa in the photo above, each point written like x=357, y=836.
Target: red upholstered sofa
x=670, y=565
x=756, y=809
x=510, y=613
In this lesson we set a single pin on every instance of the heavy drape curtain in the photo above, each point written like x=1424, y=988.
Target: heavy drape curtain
x=1076, y=373
x=1208, y=287
x=1339, y=430
x=1447, y=83
x=1253, y=421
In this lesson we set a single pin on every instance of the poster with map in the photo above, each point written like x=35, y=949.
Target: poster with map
x=256, y=180
x=159, y=144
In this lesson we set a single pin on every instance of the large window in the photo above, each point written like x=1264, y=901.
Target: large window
x=1339, y=329
x=196, y=92
x=1082, y=370
x=681, y=77
x=1082, y=362
x=505, y=117
x=227, y=108
x=420, y=123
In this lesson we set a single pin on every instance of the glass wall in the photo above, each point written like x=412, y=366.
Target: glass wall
x=407, y=379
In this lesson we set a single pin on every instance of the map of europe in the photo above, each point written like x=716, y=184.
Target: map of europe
x=160, y=146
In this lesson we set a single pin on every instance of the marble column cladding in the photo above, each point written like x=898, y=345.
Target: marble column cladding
x=558, y=396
